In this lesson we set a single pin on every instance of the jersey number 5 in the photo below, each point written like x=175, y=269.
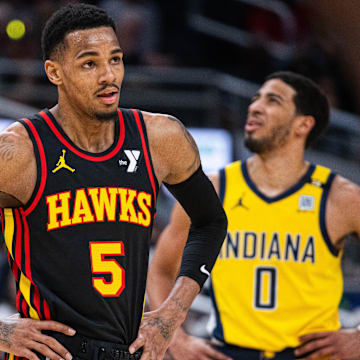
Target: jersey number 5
x=102, y=263
x=265, y=288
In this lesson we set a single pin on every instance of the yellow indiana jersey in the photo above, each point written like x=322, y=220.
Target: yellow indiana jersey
x=278, y=276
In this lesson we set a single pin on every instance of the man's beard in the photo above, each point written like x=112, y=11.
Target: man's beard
x=276, y=139
x=104, y=117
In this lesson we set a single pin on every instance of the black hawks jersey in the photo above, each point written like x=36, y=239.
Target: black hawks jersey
x=79, y=248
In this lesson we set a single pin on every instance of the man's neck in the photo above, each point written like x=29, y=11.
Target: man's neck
x=87, y=133
x=275, y=172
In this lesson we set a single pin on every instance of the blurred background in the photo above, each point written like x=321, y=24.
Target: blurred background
x=202, y=61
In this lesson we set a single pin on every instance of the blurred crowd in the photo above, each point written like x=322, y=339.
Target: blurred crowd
x=160, y=33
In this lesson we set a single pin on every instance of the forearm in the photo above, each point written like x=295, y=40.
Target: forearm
x=160, y=285
x=6, y=330
x=178, y=303
x=165, y=262
x=157, y=327
x=208, y=225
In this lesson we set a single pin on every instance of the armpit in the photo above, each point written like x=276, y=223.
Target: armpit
x=7, y=200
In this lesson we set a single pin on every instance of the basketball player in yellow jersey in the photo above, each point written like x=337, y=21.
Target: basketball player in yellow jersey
x=277, y=282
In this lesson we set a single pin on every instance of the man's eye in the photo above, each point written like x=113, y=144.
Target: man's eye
x=273, y=100
x=116, y=60
x=89, y=64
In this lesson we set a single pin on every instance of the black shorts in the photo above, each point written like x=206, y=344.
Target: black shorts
x=241, y=353
x=84, y=348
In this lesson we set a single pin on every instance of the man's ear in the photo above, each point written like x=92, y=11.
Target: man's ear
x=304, y=125
x=52, y=69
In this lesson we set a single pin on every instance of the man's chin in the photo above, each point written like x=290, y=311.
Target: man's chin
x=256, y=146
x=106, y=116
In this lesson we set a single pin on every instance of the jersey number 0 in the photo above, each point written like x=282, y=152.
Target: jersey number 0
x=265, y=297
x=102, y=255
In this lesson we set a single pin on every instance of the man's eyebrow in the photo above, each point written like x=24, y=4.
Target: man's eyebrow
x=117, y=50
x=95, y=53
x=275, y=95
x=87, y=53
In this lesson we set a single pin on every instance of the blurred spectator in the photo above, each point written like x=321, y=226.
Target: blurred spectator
x=318, y=59
x=138, y=27
x=157, y=32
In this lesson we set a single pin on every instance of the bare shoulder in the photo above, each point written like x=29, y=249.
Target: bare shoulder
x=165, y=128
x=344, y=203
x=17, y=156
x=14, y=141
x=173, y=150
x=343, y=191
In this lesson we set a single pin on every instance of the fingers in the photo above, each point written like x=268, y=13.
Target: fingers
x=30, y=355
x=27, y=336
x=54, y=346
x=313, y=336
x=145, y=355
x=215, y=355
x=219, y=356
x=318, y=346
x=314, y=343
x=45, y=350
x=137, y=344
x=319, y=354
x=55, y=326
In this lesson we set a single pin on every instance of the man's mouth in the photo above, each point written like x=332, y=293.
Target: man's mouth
x=252, y=124
x=108, y=97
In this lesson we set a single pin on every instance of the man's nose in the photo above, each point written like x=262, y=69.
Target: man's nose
x=107, y=75
x=256, y=107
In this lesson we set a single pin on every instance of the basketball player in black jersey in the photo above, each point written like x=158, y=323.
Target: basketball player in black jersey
x=78, y=199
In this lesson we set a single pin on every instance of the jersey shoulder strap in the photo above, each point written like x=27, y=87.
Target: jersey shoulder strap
x=322, y=176
x=31, y=124
x=225, y=174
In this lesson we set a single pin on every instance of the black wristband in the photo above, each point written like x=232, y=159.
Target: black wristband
x=208, y=225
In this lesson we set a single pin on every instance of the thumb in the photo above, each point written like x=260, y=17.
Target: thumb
x=137, y=344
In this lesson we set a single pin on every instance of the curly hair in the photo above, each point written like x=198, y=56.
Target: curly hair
x=70, y=18
x=309, y=99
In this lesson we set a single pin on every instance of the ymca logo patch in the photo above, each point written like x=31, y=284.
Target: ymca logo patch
x=131, y=161
x=306, y=203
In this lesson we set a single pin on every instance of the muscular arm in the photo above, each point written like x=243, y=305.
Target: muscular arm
x=165, y=263
x=166, y=260
x=163, y=270
x=177, y=163
x=173, y=150
x=343, y=210
x=342, y=218
x=22, y=337
x=18, y=164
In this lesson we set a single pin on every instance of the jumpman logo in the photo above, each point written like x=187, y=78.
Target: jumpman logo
x=240, y=202
x=61, y=164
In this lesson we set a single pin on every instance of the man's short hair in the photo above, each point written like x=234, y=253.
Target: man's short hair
x=309, y=100
x=70, y=18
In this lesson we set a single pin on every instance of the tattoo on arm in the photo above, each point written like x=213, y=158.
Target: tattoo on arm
x=188, y=137
x=7, y=147
x=166, y=327
x=5, y=331
x=180, y=305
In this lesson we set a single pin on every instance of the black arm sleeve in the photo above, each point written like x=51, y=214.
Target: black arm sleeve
x=208, y=225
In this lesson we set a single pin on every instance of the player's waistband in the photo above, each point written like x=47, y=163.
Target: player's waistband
x=242, y=353
x=87, y=348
